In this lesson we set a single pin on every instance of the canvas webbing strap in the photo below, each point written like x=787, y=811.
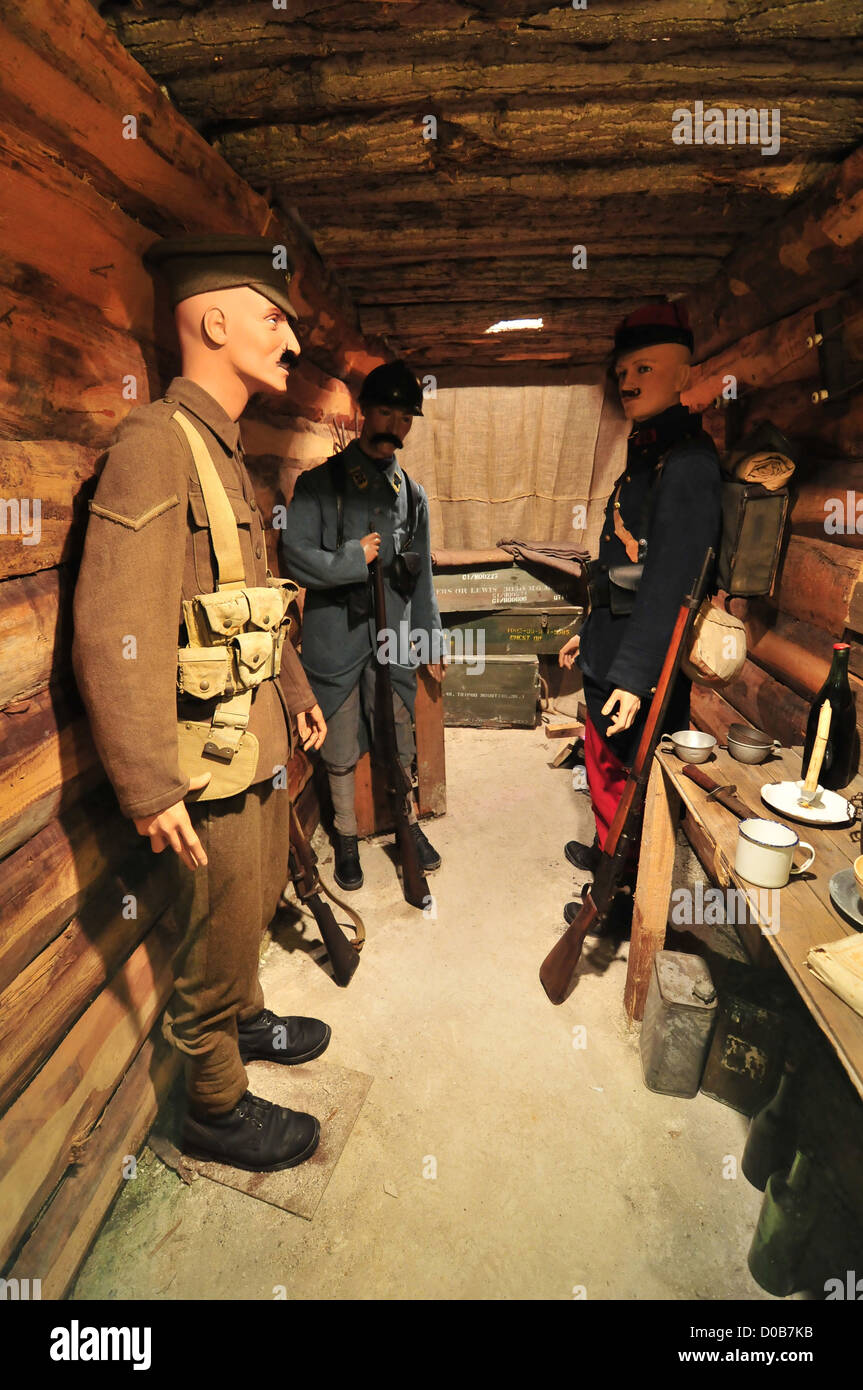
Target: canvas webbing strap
x=230, y=717
x=220, y=513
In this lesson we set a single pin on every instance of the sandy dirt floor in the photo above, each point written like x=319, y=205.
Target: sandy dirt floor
x=495, y=1156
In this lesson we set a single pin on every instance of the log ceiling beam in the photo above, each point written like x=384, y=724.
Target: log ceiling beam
x=169, y=40
x=554, y=129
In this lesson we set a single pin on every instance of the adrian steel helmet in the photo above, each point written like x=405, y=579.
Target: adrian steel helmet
x=393, y=384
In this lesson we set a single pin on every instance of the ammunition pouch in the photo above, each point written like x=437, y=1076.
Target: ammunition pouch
x=404, y=573
x=623, y=582
x=613, y=586
x=236, y=636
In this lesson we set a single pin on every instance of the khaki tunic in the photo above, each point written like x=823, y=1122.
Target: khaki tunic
x=147, y=548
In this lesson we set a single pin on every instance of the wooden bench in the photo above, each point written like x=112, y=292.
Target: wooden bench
x=807, y=915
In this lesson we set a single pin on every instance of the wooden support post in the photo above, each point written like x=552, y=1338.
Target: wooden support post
x=431, y=759
x=653, y=889
x=374, y=812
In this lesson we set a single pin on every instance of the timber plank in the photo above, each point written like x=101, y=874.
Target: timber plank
x=48, y=880
x=59, y=1243
x=61, y=475
x=46, y=998
x=47, y=762
x=41, y=1129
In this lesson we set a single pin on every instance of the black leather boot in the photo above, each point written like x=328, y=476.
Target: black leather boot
x=583, y=856
x=256, y=1135
x=347, y=872
x=269, y=1038
x=426, y=852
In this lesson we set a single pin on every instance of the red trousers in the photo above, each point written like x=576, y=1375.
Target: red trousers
x=606, y=778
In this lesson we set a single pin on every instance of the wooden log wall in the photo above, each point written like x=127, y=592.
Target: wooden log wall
x=82, y=982
x=756, y=323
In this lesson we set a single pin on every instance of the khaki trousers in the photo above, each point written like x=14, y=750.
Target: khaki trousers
x=222, y=910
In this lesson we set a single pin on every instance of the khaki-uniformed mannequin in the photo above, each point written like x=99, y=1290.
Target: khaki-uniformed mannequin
x=152, y=546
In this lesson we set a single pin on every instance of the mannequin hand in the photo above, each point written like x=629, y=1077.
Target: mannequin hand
x=312, y=727
x=436, y=670
x=371, y=544
x=629, y=707
x=173, y=827
x=567, y=654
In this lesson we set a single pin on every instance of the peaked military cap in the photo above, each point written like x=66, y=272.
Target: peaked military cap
x=655, y=323
x=195, y=264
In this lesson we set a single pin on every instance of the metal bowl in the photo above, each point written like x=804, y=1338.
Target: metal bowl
x=744, y=733
x=692, y=745
x=748, y=745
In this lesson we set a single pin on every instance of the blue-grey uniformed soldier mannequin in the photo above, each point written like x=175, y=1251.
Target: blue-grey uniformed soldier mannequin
x=339, y=640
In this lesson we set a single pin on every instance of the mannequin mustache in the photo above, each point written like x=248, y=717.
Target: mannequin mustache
x=288, y=358
x=387, y=439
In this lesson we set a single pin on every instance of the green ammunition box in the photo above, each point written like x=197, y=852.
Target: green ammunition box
x=518, y=631
x=495, y=692
x=465, y=591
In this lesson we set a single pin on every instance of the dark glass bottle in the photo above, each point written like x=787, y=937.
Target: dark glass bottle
x=778, y=1253
x=770, y=1143
x=843, y=748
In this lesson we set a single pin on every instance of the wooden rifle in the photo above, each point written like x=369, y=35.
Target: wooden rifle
x=414, y=883
x=303, y=862
x=558, y=968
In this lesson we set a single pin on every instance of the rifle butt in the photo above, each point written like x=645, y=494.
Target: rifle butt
x=344, y=957
x=558, y=969
x=414, y=883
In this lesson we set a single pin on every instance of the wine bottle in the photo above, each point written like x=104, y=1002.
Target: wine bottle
x=778, y=1254
x=843, y=748
x=770, y=1143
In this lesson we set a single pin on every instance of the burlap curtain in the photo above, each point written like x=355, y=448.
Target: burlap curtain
x=532, y=462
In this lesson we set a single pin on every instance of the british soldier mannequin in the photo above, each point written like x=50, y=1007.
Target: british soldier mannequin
x=150, y=549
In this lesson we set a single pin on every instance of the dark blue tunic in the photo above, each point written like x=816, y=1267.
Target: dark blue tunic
x=685, y=517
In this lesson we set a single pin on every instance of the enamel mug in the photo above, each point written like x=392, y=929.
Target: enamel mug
x=764, y=853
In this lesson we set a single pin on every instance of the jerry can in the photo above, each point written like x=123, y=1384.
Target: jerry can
x=678, y=1022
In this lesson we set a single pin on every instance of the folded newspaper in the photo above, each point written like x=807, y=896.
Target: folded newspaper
x=839, y=965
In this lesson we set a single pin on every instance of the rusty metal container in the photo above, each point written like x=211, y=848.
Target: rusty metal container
x=678, y=1021
x=748, y=1048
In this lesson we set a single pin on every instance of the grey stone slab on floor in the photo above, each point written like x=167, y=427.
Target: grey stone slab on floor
x=335, y=1096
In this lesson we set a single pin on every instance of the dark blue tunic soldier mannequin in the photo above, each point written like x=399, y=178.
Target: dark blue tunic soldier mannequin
x=669, y=496
x=672, y=477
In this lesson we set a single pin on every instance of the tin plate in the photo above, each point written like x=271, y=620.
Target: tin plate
x=846, y=895
x=784, y=797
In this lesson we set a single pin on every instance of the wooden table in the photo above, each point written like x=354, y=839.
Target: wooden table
x=807, y=916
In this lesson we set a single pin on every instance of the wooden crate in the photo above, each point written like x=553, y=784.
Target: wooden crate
x=464, y=591
x=503, y=694
x=514, y=632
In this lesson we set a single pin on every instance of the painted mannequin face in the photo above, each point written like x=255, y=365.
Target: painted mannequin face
x=248, y=332
x=651, y=379
x=385, y=428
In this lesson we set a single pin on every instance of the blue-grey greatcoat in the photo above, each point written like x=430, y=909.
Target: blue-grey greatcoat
x=375, y=499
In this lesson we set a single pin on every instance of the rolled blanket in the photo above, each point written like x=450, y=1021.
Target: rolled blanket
x=568, y=559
